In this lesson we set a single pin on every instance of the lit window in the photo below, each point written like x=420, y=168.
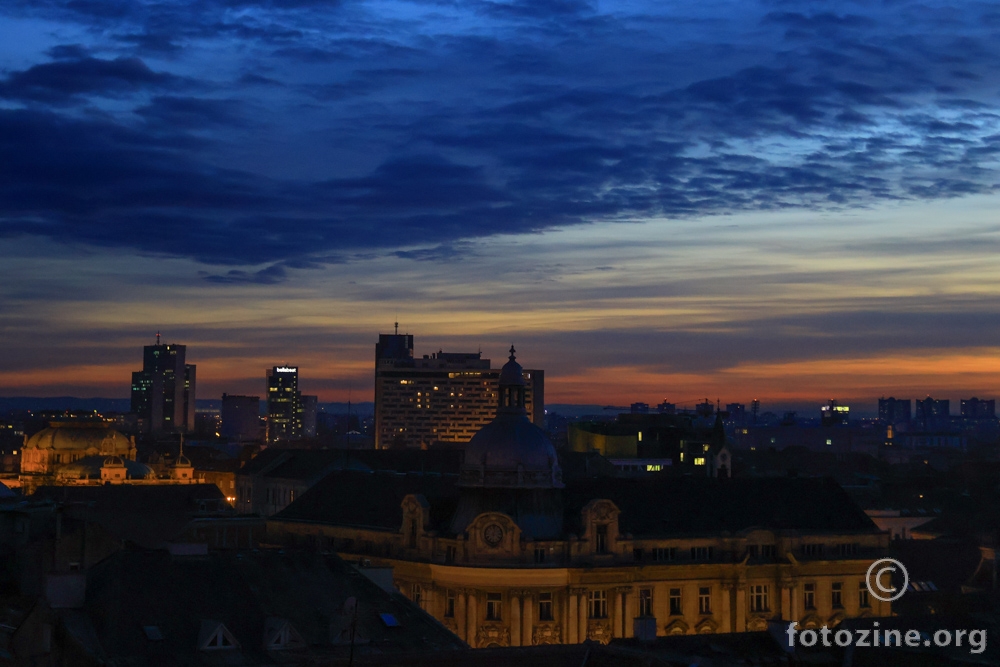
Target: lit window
x=699, y=461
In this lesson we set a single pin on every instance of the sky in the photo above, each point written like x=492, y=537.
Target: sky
x=789, y=201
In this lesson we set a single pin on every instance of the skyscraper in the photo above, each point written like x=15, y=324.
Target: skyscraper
x=163, y=392
x=284, y=404
x=444, y=397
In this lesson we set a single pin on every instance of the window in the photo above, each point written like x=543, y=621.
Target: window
x=545, y=607
x=493, y=604
x=846, y=549
x=704, y=600
x=753, y=551
x=449, y=605
x=759, y=598
x=812, y=550
x=540, y=554
x=863, y=600
x=664, y=553
x=645, y=601
x=699, y=460
x=767, y=551
x=836, y=595
x=415, y=594
x=675, y=602
x=601, y=540
x=637, y=554
x=810, y=594
x=450, y=553
x=598, y=604
x=701, y=553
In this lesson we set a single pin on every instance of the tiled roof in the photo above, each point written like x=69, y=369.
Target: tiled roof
x=151, y=608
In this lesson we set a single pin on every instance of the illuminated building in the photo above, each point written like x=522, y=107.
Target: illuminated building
x=833, y=414
x=240, y=417
x=510, y=553
x=163, y=392
x=444, y=397
x=284, y=404
x=308, y=404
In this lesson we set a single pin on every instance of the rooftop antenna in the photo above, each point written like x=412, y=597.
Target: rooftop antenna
x=181, y=453
x=397, y=328
x=157, y=337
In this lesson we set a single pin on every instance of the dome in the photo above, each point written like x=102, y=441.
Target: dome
x=516, y=449
x=512, y=373
x=80, y=435
x=511, y=451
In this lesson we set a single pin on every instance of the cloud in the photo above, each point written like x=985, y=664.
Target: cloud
x=62, y=80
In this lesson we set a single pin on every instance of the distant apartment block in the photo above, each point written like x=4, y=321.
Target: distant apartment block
x=932, y=414
x=895, y=410
x=974, y=408
x=445, y=397
x=163, y=392
x=240, y=417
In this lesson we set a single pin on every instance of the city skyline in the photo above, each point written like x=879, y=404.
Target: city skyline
x=650, y=201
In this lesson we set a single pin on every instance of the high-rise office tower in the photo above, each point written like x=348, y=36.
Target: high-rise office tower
x=284, y=404
x=163, y=392
x=308, y=411
x=444, y=397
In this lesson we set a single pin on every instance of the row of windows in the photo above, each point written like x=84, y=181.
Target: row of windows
x=597, y=601
x=666, y=554
x=755, y=551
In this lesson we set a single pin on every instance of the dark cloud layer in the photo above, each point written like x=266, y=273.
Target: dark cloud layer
x=444, y=122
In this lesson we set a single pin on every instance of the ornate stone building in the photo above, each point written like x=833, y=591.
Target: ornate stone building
x=509, y=553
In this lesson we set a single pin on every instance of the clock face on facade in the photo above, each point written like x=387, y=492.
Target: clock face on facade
x=493, y=534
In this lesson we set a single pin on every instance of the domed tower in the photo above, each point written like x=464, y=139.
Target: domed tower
x=511, y=467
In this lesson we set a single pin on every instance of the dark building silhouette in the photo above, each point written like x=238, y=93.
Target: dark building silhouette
x=163, y=392
x=240, y=417
x=974, y=408
x=895, y=410
x=932, y=414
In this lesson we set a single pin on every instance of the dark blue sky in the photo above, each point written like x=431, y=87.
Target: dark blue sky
x=710, y=196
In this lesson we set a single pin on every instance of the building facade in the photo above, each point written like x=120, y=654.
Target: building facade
x=284, y=404
x=508, y=553
x=444, y=397
x=163, y=392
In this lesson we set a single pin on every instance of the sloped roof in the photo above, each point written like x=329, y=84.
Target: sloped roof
x=135, y=588
x=655, y=506
x=663, y=506
x=372, y=499
x=306, y=464
x=148, y=515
